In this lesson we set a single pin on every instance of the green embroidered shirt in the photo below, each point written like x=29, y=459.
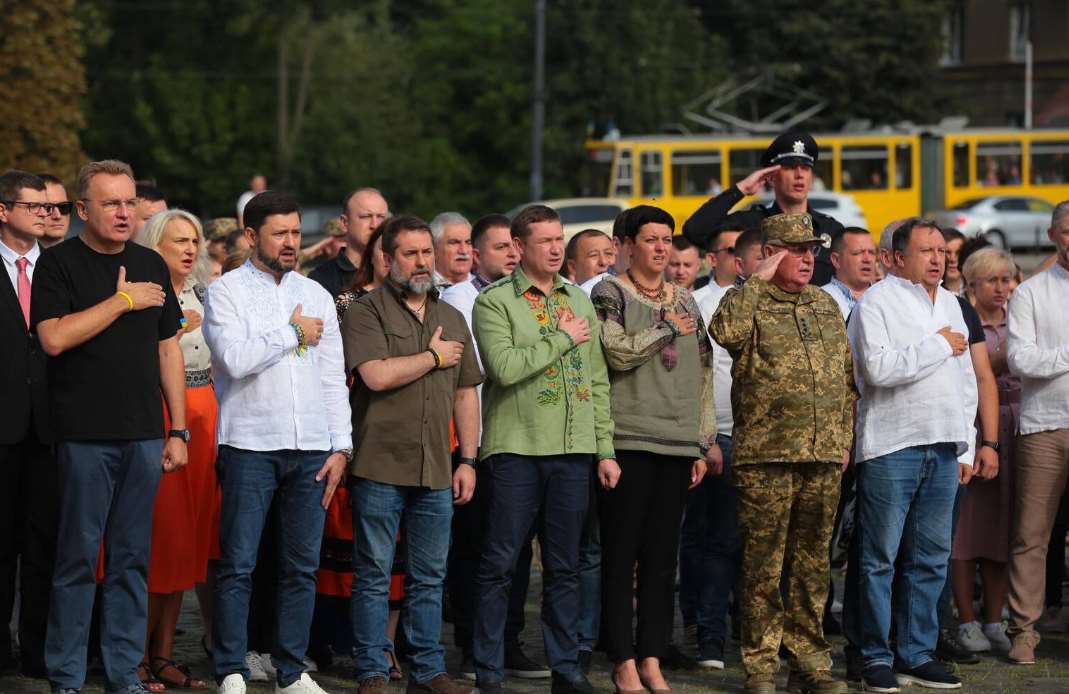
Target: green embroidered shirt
x=542, y=395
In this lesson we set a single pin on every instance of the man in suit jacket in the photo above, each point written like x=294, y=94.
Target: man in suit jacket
x=28, y=499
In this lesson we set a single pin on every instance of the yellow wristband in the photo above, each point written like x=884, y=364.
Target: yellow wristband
x=129, y=299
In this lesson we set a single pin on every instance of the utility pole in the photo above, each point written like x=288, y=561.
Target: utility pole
x=538, y=119
x=1028, y=84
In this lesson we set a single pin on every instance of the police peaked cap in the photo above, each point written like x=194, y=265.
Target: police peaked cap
x=791, y=147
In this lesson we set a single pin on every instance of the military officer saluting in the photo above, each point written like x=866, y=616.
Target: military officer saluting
x=792, y=394
x=788, y=163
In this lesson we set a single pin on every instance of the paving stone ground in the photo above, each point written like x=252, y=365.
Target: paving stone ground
x=994, y=674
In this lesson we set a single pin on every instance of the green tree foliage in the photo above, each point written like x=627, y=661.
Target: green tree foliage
x=41, y=81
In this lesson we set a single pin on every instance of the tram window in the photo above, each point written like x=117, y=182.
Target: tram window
x=961, y=164
x=743, y=162
x=864, y=167
x=625, y=183
x=652, y=175
x=998, y=163
x=903, y=165
x=1050, y=161
x=597, y=173
x=696, y=172
x=822, y=170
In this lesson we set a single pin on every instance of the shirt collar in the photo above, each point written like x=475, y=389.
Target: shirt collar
x=521, y=283
x=478, y=282
x=11, y=256
x=846, y=291
x=344, y=264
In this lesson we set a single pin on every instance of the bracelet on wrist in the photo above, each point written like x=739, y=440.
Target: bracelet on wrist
x=129, y=299
x=302, y=343
x=437, y=357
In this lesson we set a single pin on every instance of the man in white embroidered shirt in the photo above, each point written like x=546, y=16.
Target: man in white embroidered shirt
x=284, y=426
x=914, y=439
x=1038, y=352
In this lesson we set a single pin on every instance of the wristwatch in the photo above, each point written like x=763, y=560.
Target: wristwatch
x=990, y=444
x=347, y=452
x=466, y=461
x=180, y=434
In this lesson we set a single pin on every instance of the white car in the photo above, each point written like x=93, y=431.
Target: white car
x=839, y=206
x=1006, y=221
x=577, y=214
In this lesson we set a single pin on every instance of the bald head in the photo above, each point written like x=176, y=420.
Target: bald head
x=364, y=211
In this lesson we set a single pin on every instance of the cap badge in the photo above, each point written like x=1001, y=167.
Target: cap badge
x=799, y=147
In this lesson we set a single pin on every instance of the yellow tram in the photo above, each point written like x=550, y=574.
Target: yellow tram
x=890, y=174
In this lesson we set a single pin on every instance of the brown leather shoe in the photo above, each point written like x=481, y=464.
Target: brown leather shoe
x=373, y=685
x=1023, y=650
x=440, y=684
x=815, y=682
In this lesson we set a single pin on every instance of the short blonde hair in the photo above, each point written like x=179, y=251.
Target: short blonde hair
x=152, y=234
x=113, y=167
x=985, y=262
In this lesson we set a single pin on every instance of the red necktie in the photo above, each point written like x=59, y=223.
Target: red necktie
x=24, y=289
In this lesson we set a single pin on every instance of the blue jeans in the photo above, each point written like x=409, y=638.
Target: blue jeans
x=589, y=624
x=709, y=553
x=377, y=510
x=557, y=489
x=905, y=503
x=249, y=480
x=107, y=491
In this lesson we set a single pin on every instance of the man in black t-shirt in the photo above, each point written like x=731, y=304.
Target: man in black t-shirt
x=363, y=211
x=105, y=312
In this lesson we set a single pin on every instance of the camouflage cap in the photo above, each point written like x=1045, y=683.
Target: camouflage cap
x=219, y=227
x=789, y=228
x=333, y=227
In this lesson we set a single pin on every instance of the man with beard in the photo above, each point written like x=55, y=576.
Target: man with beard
x=284, y=429
x=414, y=368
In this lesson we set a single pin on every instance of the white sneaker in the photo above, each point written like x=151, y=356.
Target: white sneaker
x=305, y=685
x=1053, y=621
x=310, y=665
x=972, y=637
x=996, y=636
x=268, y=666
x=255, y=664
x=232, y=684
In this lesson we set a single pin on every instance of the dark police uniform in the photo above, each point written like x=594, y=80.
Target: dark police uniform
x=789, y=148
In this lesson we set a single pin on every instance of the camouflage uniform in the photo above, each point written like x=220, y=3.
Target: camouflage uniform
x=792, y=395
x=219, y=227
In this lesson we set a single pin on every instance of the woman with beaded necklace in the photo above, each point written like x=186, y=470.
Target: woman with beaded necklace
x=661, y=380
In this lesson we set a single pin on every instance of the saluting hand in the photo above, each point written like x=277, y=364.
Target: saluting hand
x=755, y=182
x=766, y=269
x=144, y=294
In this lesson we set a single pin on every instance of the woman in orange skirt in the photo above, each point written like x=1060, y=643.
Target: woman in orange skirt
x=185, y=521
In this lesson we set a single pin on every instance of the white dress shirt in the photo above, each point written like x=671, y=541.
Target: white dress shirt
x=914, y=392
x=11, y=256
x=195, y=350
x=588, y=286
x=462, y=297
x=708, y=300
x=271, y=398
x=1038, y=349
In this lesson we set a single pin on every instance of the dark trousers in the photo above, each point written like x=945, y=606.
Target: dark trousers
x=640, y=526
x=469, y=533
x=554, y=489
x=709, y=553
x=108, y=492
x=29, y=516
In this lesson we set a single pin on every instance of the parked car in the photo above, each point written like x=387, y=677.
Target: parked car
x=1007, y=221
x=577, y=214
x=840, y=206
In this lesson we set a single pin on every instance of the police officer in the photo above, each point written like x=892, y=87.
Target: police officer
x=788, y=163
x=792, y=395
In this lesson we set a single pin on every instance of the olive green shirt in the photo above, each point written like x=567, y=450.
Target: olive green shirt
x=543, y=395
x=792, y=390
x=401, y=436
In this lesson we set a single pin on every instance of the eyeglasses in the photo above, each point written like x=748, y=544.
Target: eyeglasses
x=798, y=251
x=32, y=207
x=730, y=250
x=113, y=205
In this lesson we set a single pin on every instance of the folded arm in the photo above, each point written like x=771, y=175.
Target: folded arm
x=885, y=366
x=240, y=356
x=1024, y=355
x=503, y=361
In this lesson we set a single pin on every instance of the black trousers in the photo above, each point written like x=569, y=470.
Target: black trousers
x=29, y=519
x=469, y=531
x=640, y=526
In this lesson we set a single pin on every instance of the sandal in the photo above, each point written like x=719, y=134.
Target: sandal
x=395, y=668
x=148, y=679
x=187, y=681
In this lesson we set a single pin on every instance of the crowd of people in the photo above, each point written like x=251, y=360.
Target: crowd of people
x=334, y=446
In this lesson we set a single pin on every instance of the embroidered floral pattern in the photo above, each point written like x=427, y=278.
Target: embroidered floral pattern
x=547, y=313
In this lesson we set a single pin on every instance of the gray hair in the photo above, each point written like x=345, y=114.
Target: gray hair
x=152, y=234
x=440, y=222
x=1060, y=210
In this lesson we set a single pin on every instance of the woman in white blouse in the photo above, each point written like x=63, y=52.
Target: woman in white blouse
x=185, y=523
